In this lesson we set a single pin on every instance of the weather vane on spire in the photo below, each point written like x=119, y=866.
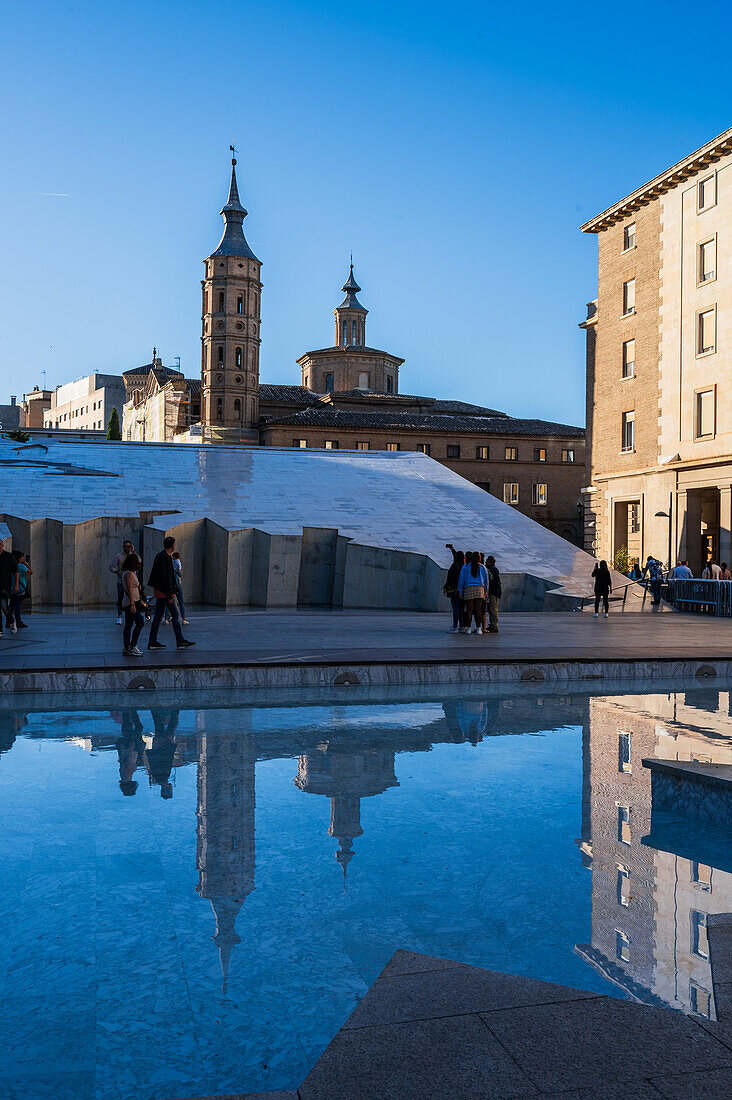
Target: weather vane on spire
x=233, y=154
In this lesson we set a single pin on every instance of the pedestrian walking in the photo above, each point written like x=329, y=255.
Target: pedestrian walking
x=8, y=587
x=162, y=582
x=178, y=567
x=451, y=588
x=116, y=567
x=16, y=600
x=473, y=586
x=654, y=570
x=131, y=606
x=712, y=571
x=603, y=587
x=726, y=575
x=495, y=592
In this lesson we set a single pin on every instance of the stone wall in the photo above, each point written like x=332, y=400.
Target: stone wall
x=248, y=567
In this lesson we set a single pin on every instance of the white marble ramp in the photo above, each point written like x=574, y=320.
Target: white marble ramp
x=399, y=501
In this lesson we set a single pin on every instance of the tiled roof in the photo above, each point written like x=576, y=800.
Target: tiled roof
x=290, y=394
x=194, y=385
x=327, y=417
x=461, y=408
x=435, y=404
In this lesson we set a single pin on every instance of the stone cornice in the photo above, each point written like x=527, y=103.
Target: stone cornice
x=352, y=351
x=695, y=162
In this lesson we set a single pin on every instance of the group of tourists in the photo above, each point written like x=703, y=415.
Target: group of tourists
x=165, y=582
x=14, y=572
x=473, y=586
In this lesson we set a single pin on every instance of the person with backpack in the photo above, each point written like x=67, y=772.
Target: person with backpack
x=472, y=587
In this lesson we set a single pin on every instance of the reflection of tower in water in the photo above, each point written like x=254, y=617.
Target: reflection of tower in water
x=225, y=832
x=345, y=778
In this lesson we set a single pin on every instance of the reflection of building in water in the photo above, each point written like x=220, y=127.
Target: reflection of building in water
x=345, y=778
x=650, y=906
x=225, y=831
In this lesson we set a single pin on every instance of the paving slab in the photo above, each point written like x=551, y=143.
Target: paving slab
x=411, y=962
x=454, y=991
x=600, y=1041
x=422, y=1060
x=711, y=1084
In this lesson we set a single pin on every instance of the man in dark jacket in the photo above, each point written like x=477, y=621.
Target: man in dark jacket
x=9, y=585
x=163, y=583
x=494, y=593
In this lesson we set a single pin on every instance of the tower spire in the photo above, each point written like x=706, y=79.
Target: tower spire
x=233, y=241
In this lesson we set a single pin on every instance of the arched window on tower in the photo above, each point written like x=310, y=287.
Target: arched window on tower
x=219, y=408
x=389, y=384
x=354, y=332
x=220, y=356
x=345, y=333
x=221, y=301
x=238, y=357
x=237, y=409
x=240, y=304
x=329, y=383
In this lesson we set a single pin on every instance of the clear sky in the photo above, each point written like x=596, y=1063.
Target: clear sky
x=455, y=150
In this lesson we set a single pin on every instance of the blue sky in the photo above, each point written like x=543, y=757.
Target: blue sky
x=454, y=150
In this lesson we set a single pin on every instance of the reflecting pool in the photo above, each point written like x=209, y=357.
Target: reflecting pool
x=196, y=890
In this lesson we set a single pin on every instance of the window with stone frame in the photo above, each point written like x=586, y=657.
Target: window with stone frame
x=628, y=370
x=538, y=494
x=706, y=193
x=629, y=296
x=568, y=454
x=628, y=431
x=539, y=454
x=453, y=450
x=482, y=452
x=510, y=492
x=706, y=331
x=511, y=454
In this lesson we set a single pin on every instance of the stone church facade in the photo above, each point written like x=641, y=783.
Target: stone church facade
x=349, y=398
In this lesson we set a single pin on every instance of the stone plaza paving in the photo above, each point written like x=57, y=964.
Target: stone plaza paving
x=90, y=640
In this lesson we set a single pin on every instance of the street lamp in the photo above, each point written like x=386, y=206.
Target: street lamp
x=668, y=515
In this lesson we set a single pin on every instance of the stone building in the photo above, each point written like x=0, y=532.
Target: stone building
x=35, y=406
x=86, y=403
x=160, y=403
x=659, y=362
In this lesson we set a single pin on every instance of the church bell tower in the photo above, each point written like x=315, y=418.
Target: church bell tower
x=230, y=335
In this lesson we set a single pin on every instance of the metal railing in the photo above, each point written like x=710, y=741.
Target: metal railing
x=710, y=597
x=619, y=594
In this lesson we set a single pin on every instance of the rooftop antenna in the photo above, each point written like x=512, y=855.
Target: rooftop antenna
x=44, y=378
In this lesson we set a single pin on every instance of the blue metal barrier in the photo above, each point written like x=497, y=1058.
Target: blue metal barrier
x=710, y=597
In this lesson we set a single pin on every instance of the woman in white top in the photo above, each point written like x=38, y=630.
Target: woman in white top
x=134, y=618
